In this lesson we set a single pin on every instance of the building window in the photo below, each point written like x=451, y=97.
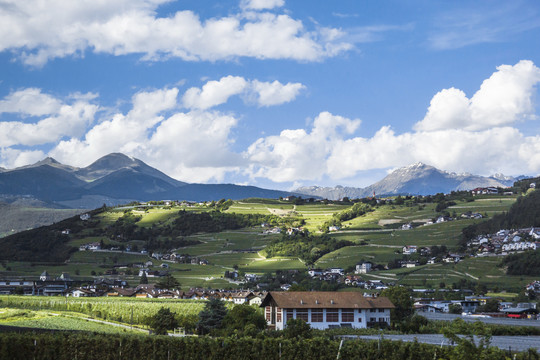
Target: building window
x=359, y=319
x=332, y=315
x=278, y=314
x=381, y=310
x=347, y=315
x=372, y=310
x=372, y=320
x=268, y=313
x=316, y=315
x=289, y=314
x=302, y=314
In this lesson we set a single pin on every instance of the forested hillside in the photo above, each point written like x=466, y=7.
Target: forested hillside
x=525, y=212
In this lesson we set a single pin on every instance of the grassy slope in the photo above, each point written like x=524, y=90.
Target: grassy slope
x=223, y=249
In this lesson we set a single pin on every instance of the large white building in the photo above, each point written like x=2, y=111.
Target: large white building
x=326, y=309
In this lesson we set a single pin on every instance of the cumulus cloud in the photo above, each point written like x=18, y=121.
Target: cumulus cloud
x=215, y=93
x=190, y=146
x=38, y=31
x=503, y=99
x=13, y=158
x=30, y=101
x=275, y=93
x=298, y=154
x=457, y=134
x=61, y=119
x=121, y=133
x=261, y=4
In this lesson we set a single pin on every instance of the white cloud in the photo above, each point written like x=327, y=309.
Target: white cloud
x=457, y=134
x=12, y=158
x=38, y=31
x=62, y=120
x=275, y=93
x=30, y=101
x=261, y=4
x=215, y=93
x=190, y=146
x=297, y=154
x=503, y=99
x=121, y=133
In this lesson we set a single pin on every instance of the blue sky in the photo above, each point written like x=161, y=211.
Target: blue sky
x=273, y=93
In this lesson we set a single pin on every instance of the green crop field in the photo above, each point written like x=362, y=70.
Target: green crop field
x=113, y=309
x=57, y=320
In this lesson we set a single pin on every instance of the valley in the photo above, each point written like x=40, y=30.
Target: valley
x=375, y=237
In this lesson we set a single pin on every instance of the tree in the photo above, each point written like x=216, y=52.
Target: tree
x=455, y=309
x=491, y=305
x=401, y=298
x=241, y=316
x=296, y=329
x=211, y=317
x=162, y=321
x=144, y=278
x=168, y=282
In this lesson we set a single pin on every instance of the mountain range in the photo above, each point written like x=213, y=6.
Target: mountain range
x=415, y=179
x=113, y=179
x=119, y=179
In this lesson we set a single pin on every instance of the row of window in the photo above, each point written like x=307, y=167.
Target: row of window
x=317, y=315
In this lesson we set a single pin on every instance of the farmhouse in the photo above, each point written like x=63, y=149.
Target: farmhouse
x=326, y=309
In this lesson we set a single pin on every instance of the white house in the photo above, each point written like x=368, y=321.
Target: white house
x=325, y=309
x=363, y=268
x=338, y=271
x=242, y=297
x=315, y=272
x=410, y=249
x=406, y=226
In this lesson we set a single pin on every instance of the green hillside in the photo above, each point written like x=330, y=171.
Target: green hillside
x=229, y=235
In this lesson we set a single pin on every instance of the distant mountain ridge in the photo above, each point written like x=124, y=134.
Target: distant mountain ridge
x=415, y=179
x=113, y=179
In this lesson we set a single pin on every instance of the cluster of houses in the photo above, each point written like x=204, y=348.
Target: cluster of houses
x=180, y=258
x=505, y=241
x=471, y=304
x=534, y=287
x=485, y=191
x=90, y=246
x=46, y=286
x=150, y=291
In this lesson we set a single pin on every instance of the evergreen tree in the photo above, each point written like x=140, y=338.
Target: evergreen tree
x=163, y=320
x=211, y=317
x=168, y=282
x=144, y=278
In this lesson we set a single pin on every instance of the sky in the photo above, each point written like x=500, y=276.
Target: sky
x=273, y=93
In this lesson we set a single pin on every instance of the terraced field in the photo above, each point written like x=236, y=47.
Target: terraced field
x=376, y=236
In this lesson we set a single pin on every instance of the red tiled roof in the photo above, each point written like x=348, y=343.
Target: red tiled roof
x=325, y=299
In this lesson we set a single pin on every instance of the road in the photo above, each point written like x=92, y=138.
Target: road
x=496, y=321
x=514, y=343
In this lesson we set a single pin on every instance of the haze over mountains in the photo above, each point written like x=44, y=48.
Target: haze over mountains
x=113, y=179
x=415, y=179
